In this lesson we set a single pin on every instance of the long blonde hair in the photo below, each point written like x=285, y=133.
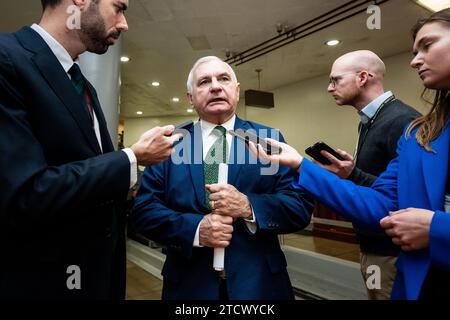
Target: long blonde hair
x=432, y=124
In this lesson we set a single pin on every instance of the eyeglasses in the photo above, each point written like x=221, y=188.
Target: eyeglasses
x=334, y=81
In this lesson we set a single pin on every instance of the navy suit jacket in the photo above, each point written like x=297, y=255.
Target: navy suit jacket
x=416, y=178
x=60, y=195
x=171, y=203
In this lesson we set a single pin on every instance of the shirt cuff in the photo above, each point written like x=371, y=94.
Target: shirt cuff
x=251, y=224
x=133, y=166
x=197, y=238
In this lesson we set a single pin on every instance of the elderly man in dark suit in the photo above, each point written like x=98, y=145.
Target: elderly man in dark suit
x=62, y=227
x=182, y=205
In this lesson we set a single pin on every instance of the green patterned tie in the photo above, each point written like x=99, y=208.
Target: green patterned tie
x=216, y=154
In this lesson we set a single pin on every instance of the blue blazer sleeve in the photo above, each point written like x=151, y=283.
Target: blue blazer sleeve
x=154, y=219
x=284, y=209
x=362, y=205
x=440, y=240
x=281, y=212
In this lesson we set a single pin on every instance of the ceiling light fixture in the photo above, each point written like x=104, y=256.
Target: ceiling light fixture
x=332, y=43
x=139, y=113
x=176, y=99
x=156, y=84
x=190, y=110
x=125, y=59
x=434, y=5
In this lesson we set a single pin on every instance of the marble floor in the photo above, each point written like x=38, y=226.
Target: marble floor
x=337, y=249
x=141, y=285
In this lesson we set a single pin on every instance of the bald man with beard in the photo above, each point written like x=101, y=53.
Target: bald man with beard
x=356, y=79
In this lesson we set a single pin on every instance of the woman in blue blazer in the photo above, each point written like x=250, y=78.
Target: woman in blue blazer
x=410, y=198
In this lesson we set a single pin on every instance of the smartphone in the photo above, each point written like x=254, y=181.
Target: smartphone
x=183, y=127
x=314, y=152
x=249, y=136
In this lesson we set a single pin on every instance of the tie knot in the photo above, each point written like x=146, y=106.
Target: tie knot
x=75, y=73
x=221, y=130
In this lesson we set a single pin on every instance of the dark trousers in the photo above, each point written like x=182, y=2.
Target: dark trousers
x=223, y=292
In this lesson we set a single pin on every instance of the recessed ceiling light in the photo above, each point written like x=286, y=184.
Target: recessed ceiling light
x=139, y=113
x=190, y=110
x=332, y=43
x=124, y=59
x=156, y=84
x=434, y=5
x=176, y=99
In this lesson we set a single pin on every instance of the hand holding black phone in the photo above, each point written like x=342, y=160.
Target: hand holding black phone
x=315, y=152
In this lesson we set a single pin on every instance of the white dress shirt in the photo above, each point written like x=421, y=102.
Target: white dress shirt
x=66, y=62
x=209, y=136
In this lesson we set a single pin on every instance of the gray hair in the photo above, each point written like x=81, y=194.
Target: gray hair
x=201, y=61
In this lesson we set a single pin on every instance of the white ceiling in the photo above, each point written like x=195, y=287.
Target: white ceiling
x=167, y=36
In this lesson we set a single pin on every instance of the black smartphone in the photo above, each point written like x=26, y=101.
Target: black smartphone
x=248, y=136
x=314, y=152
x=183, y=127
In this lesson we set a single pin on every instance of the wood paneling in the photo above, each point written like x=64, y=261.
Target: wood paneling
x=331, y=231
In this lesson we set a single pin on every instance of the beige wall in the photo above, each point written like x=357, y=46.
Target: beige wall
x=306, y=113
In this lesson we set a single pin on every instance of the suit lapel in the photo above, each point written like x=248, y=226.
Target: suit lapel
x=435, y=168
x=58, y=81
x=238, y=152
x=107, y=144
x=196, y=162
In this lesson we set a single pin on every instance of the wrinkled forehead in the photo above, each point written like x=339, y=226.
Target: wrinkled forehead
x=212, y=68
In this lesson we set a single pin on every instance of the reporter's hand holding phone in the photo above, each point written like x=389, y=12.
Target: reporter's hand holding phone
x=287, y=157
x=155, y=145
x=341, y=168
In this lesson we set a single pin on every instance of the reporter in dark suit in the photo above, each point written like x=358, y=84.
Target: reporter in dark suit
x=244, y=216
x=62, y=182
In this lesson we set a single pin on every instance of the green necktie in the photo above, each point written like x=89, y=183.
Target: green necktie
x=216, y=154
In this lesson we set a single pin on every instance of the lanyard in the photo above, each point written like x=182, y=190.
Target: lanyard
x=368, y=126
